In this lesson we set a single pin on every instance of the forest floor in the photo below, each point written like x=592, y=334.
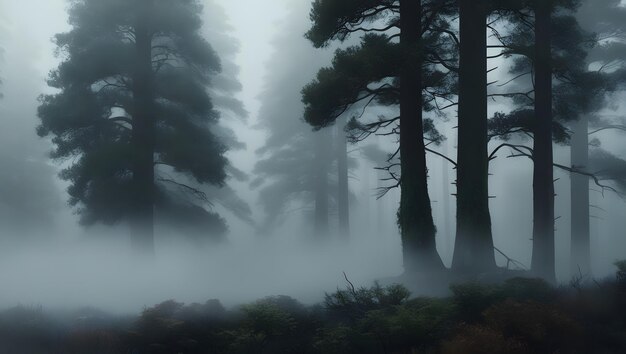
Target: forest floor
x=516, y=315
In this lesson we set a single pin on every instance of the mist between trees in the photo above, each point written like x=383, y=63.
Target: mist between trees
x=423, y=142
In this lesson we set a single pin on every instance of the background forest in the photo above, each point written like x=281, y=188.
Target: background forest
x=472, y=151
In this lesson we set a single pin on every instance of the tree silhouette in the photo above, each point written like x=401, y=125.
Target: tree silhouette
x=387, y=68
x=133, y=116
x=295, y=167
x=549, y=47
x=473, y=251
x=605, y=18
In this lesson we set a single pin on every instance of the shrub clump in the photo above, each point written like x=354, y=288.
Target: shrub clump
x=517, y=316
x=382, y=319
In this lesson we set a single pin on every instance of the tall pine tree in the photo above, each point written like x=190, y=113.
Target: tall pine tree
x=473, y=251
x=550, y=47
x=294, y=171
x=132, y=116
x=387, y=68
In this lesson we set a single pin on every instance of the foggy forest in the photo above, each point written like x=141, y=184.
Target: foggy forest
x=312, y=176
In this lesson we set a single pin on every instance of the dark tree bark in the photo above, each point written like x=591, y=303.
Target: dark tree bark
x=366, y=195
x=143, y=139
x=343, y=192
x=447, y=219
x=322, y=158
x=381, y=204
x=543, y=258
x=473, y=251
x=415, y=214
x=382, y=207
x=580, y=229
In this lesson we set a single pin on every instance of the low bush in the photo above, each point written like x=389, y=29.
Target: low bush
x=518, y=316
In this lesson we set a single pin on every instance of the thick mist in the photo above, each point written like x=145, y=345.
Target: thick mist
x=48, y=259
x=268, y=200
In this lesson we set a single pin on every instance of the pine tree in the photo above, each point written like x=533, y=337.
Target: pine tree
x=553, y=50
x=132, y=114
x=606, y=19
x=294, y=171
x=473, y=251
x=387, y=71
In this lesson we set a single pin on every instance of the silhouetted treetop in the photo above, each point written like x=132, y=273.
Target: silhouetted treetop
x=336, y=20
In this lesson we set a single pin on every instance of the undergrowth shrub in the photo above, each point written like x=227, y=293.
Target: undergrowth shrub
x=352, y=304
x=94, y=342
x=26, y=329
x=543, y=328
x=472, y=299
x=479, y=339
x=517, y=316
x=382, y=320
x=273, y=325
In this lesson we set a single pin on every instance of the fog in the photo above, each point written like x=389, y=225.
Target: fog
x=271, y=247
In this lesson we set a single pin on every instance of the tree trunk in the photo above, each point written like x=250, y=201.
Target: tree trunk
x=322, y=159
x=366, y=195
x=473, y=251
x=543, y=258
x=580, y=256
x=381, y=205
x=446, y=201
x=143, y=137
x=415, y=214
x=382, y=209
x=343, y=192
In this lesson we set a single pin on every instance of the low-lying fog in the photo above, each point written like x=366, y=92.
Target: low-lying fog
x=103, y=274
